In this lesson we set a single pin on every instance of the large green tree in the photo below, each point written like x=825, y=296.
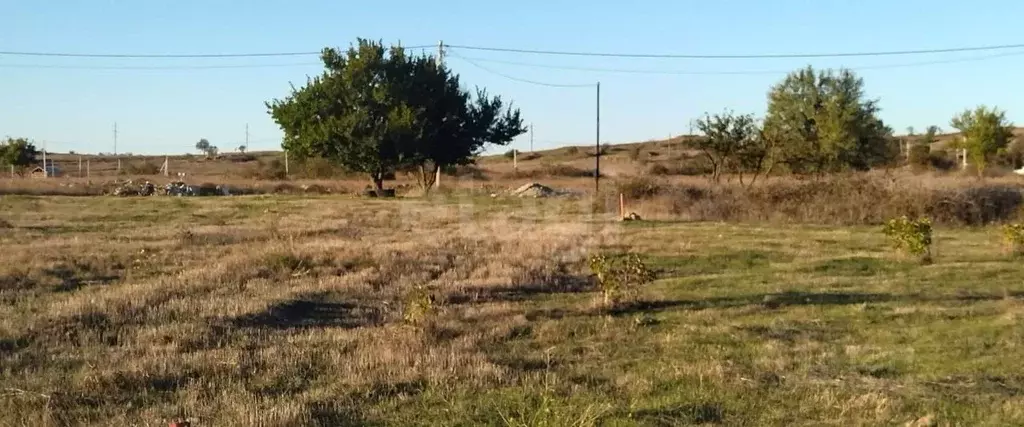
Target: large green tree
x=985, y=132
x=18, y=152
x=825, y=123
x=377, y=110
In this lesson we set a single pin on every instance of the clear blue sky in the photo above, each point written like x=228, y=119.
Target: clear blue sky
x=167, y=110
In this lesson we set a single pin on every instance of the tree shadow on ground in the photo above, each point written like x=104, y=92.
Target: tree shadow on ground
x=75, y=277
x=335, y=415
x=770, y=301
x=686, y=414
x=313, y=311
x=515, y=293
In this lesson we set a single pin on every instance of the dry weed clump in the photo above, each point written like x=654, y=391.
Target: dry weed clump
x=839, y=200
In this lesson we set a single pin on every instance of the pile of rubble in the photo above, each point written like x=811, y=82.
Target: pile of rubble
x=176, y=188
x=534, y=189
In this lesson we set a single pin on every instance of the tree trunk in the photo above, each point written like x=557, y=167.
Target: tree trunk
x=378, y=183
x=426, y=180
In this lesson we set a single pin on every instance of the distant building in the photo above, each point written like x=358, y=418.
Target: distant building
x=38, y=172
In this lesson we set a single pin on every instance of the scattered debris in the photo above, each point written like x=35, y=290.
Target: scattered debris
x=179, y=188
x=633, y=216
x=534, y=189
x=129, y=188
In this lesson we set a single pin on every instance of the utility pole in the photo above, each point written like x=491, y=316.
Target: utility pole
x=79, y=166
x=246, y=136
x=46, y=169
x=531, y=138
x=115, y=138
x=440, y=63
x=88, y=171
x=597, y=141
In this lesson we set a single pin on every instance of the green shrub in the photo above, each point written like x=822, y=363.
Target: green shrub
x=1013, y=237
x=939, y=159
x=510, y=154
x=269, y=170
x=572, y=151
x=918, y=157
x=418, y=305
x=144, y=168
x=641, y=187
x=620, y=278
x=911, y=236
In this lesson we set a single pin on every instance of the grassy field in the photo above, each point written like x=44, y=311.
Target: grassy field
x=287, y=311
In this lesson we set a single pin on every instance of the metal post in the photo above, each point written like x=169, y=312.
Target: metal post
x=531, y=138
x=87, y=170
x=597, y=157
x=79, y=166
x=515, y=159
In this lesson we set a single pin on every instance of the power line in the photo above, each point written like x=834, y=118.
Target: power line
x=733, y=72
x=489, y=70
x=740, y=56
x=155, y=67
x=167, y=55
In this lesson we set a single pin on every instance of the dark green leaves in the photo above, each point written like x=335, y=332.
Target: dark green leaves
x=18, y=152
x=378, y=111
x=825, y=124
x=985, y=132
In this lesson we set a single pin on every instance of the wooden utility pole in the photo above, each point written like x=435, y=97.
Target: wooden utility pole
x=87, y=170
x=46, y=169
x=79, y=166
x=115, y=138
x=246, y=136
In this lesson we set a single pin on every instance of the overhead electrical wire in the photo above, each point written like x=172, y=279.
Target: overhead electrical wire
x=731, y=72
x=155, y=67
x=537, y=52
x=489, y=70
x=740, y=56
x=171, y=55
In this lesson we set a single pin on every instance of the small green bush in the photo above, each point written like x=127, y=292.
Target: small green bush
x=918, y=157
x=641, y=187
x=911, y=236
x=1013, y=237
x=572, y=151
x=418, y=305
x=144, y=168
x=939, y=159
x=511, y=154
x=620, y=278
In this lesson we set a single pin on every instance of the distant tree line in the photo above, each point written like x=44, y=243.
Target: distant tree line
x=820, y=122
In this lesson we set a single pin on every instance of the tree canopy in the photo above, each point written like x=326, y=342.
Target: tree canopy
x=825, y=123
x=18, y=152
x=378, y=110
x=985, y=133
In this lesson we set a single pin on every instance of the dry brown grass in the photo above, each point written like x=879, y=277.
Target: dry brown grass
x=286, y=311
x=849, y=199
